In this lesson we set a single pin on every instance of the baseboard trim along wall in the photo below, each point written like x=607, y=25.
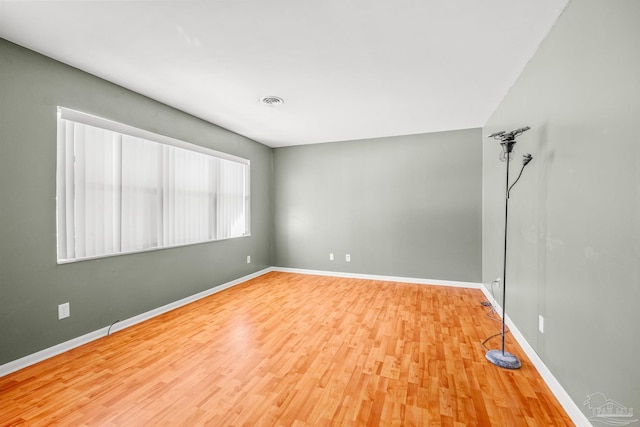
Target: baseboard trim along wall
x=559, y=392
x=378, y=277
x=47, y=353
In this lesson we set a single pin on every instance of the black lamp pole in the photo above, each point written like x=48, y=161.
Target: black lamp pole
x=508, y=140
x=504, y=263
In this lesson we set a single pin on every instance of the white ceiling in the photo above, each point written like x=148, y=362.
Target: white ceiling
x=347, y=69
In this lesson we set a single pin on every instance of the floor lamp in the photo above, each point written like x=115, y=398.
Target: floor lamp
x=507, y=140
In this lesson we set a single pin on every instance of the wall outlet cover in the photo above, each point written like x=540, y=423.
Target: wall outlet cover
x=541, y=324
x=64, y=311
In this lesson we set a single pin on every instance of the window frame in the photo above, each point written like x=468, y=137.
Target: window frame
x=62, y=183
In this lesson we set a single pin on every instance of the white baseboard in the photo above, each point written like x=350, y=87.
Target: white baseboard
x=558, y=391
x=472, y=285
x=47, y=353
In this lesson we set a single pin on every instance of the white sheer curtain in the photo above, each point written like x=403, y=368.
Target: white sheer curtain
x=89, y=200
x=121, y=189
x=141, y=194
x=231, y=212
x=187, y=194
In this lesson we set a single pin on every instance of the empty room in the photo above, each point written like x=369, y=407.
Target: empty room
x=244, y=213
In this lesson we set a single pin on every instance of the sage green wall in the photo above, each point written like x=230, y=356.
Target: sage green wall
x=403, y=206
x=574, y=222
x=99, y=291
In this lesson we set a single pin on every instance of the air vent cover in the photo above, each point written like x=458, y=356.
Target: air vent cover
x=272, y=101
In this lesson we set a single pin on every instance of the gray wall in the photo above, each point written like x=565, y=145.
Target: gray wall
x=403, y=206
x=100, y=291
x=574, y=219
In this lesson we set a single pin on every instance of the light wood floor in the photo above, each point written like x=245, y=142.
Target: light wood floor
x=292, y=350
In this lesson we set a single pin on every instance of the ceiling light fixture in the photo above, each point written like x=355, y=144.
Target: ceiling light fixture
x=272, y=101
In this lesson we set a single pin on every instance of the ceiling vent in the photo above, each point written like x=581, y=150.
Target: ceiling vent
x=272, y=101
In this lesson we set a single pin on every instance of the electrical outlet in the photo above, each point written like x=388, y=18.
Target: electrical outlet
x=248, y=259
x=331, y=257
x=348, y=258
x=541, y=324
x=64, y=311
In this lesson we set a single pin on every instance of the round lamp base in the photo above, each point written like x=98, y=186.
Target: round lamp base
x=503, y=359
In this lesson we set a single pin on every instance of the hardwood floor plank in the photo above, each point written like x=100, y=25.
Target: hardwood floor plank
x=292, y=350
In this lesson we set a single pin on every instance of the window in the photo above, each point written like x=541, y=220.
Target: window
x=122, y=190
